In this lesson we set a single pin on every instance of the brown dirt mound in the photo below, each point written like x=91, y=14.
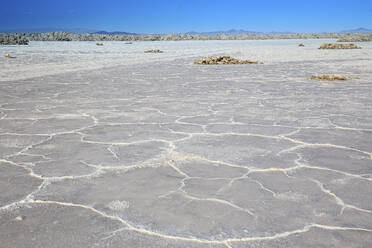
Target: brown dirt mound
x=329, y=78
x=154, y=51
x=338, y=46
x=224, y=60
x=99, y=44
x=301, y=45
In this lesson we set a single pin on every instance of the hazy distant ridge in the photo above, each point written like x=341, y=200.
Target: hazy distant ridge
x=357, y=31
x=113, y=33
x=236, y=32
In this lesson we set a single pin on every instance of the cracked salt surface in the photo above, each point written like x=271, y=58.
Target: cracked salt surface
x=177, y=155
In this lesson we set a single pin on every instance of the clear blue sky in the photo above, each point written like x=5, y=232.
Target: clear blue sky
x=175, y=16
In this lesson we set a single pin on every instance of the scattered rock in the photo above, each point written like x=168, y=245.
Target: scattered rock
x=329, y=78
x=223, y=60
x=20, y=218
x=8, y=56
x=339, y=46
x=301, y=45
x=99, y=44
x=154, y=51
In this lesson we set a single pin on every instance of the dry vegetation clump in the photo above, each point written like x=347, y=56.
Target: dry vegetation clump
x=329, y=78
x=99, y=44
x=154, y=51
x=356, y=39
x=338, y=46
x=66, y=36
x=13, y=39
x=301, y=45
x=224, y=60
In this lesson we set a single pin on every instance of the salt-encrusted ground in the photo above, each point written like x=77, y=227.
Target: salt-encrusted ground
x=171, y=154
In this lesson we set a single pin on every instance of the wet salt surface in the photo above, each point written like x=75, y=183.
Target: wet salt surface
x=125, y=149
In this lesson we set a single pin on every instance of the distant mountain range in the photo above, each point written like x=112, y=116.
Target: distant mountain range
x=229, y=32
x=241, y=31
x=237, y=31
x=358, y=30
x=113, y=33
x=70, y=30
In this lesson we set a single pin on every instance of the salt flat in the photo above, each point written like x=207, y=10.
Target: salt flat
x=111, y=147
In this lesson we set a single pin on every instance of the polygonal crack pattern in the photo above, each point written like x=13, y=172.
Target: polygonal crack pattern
x=176, y=155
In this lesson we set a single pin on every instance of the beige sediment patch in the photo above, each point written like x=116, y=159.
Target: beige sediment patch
x=339, y=46
x=329, y=78
x=154, y=51
x=223, y=60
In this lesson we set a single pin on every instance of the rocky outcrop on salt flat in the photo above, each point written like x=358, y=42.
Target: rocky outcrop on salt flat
x=154, y=51
x=329, y=78
x=339, y=46
x=224, y=60
x=8, y=56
